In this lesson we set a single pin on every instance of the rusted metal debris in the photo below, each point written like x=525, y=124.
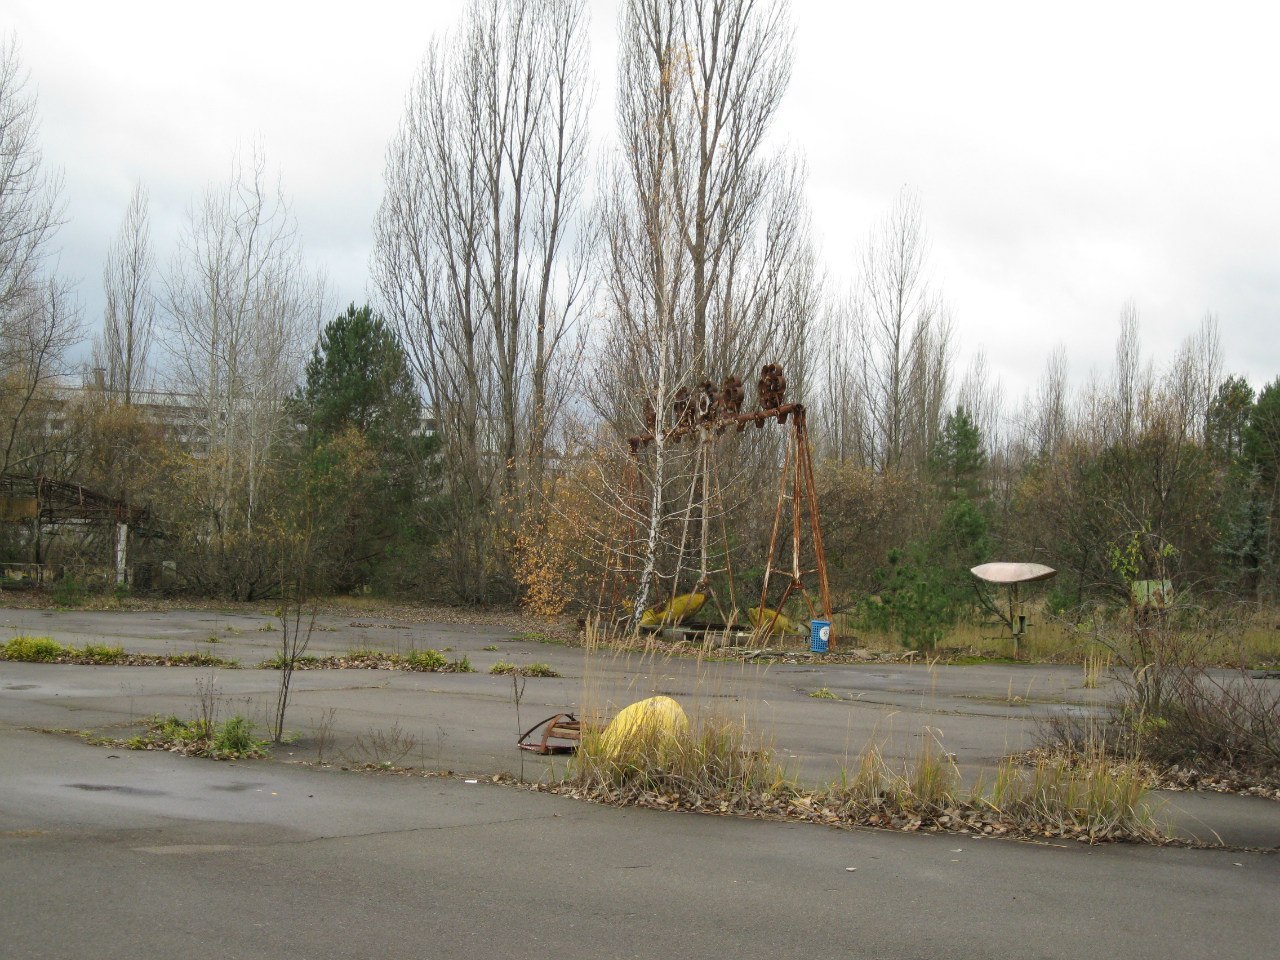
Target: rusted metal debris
x=564, y=727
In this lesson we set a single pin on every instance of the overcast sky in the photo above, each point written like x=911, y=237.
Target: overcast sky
x=1068, y=157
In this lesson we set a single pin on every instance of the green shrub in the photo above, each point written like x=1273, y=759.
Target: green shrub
x=34, y=649
x=539, y=670
x=429, y=660
x=101, y=653
x=504, y=669
x=234, y=736
x=232, y=739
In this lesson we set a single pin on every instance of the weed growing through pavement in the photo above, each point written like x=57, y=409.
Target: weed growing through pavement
x=429, y=660
x=1097, y=661
x=34, y=649
x=504, y=669
x=535, y=636
x=322, y=732
x=381, y=747
x=48, y=650
x=518, y=680
x=423, y=661
x=232, y=739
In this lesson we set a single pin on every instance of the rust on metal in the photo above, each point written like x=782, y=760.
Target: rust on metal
x=758, y=416
x=564, y=727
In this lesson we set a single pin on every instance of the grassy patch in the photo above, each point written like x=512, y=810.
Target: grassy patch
x=101, y=653
x=460, y=665
x=490, y=648
x=822, y=693
x=47, y=650
x=232, y=739
x=34, y=649
x=187, y=660
x=422, y=661
x=430, y=660
x=536, y=636
x=278, y=661
x=504, y=669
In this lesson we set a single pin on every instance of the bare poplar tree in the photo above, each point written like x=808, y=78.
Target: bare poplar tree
x=981, y=395
x=1193, y=379
x=843, y=410
x=907, y=338
x=472, y=259
x=1131, y=382
x=124, y=350
x=1050, y=410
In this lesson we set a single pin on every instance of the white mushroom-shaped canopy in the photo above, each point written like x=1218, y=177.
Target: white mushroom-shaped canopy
x=1013, y=572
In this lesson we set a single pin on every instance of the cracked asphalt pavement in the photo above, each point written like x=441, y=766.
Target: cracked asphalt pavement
x=112, y=853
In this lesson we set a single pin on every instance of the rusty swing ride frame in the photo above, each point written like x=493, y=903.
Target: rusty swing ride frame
x=705, y=416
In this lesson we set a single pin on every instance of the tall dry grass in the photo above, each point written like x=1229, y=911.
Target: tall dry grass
x=725, y=762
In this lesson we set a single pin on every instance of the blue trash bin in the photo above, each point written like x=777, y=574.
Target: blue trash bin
x=819, y=636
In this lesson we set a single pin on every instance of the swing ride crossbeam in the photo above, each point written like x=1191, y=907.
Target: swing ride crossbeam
x=740, y=420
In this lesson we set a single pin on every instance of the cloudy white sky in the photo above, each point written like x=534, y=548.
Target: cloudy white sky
x=1068, y=157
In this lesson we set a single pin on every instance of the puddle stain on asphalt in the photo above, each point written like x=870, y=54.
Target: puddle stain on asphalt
x=116, y=788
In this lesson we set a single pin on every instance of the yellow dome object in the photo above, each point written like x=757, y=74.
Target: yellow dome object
x=777, y=623
x=644, y=723
x=674, y=610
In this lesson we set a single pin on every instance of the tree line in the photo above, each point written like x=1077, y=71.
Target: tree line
x=463, y=436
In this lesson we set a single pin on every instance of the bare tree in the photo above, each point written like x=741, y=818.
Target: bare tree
x=1194, y=377
x=907, y=338
x=1050, y=411
x=483, y=187
x=240, y=307
x=124, y=350
x=982, y=396
x=39, y=320
x=844, y=411
x=40, y=328
x=1131, y=382
x=30, y=209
